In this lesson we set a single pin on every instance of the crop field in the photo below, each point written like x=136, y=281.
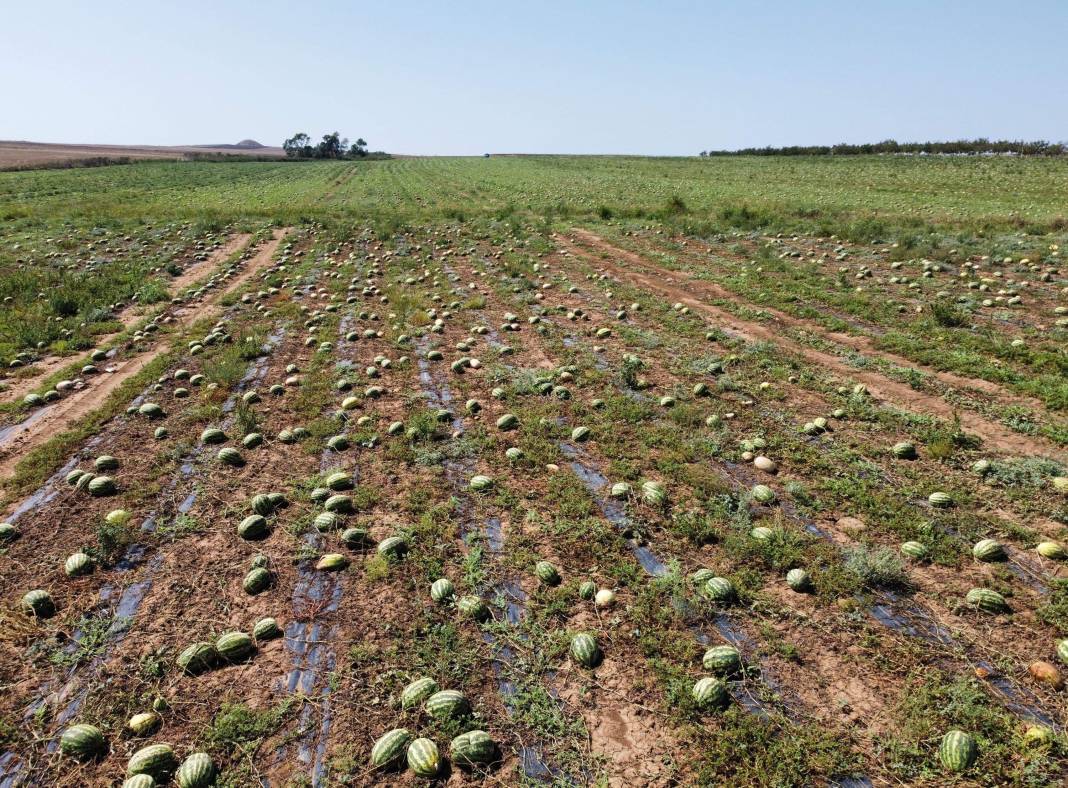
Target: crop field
x=535, y=471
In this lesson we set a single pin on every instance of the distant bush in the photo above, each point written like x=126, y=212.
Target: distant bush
x=980, y=146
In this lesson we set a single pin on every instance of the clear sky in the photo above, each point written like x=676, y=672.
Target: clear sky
x=666, y=77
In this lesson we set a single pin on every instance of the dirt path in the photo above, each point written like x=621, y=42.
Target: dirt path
x=662, y=282
x=20, y=387
x=861, y=344
x=56, y=419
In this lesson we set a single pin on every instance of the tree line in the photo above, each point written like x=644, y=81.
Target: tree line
x=957, y=147
x=332, y=146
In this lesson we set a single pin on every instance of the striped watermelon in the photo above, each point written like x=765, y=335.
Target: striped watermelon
x=940, y=500
x=418, y=691
x=446, y=704
x=904, y=451
x=547, y=573
x=38, y=603
x=472, y=748
x=710, y=692
x=917, y=551
x=253, y=527
x=78, y=564
x=390, y=748
x=230, y=456
x=423, y=758
x=957, y=751
x=266, y=629
x=720, y=590
x=355, y=538
x=139, y=781
x=474, y=607
x=393, y=547
x=587, y=589
x=196, y=771
x=156, y=760
x=722, y=659
x=987, y=600
x=441, y=590
x=213, y=435
x=101, y=486
x=584, y=650
x=761, y=493
x=234, y=646
x=82, y=742
x=480, y=483
x=339, y=480
x=339, y=504
x=261, y=504
x=798, y=580
x=988, y=550
x=1062, y=651
x=256, y=581
x=198, y=658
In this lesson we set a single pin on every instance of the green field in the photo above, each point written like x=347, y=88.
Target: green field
x=786, y=438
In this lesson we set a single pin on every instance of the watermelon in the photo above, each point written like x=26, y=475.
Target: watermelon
x=722, y=659
x=230, y=456
x=446, y=704
x=441, y=590
x=105, y=462
x=332, y=562
x=417, y=692
x=143, y=723
x=151, y=410
x=234, y=646
x=507, y=422
x=213, y=435
x=1062, y=651
x=266, y=629
x=1052, y=550
x=253, y=527
x=472, y=748
x=720, y=590
x=914, y=550
x=710, y=692
x=606, y=597
x=584, y=650
x=327, y=521
x=156, y=760
x=957, y=751
x=393, y=547
x=654, y=493
x=256, y=581
x=480, y=483
x=587, y=589
x=355, y=538
x=473, y=607
x=261, y=504
x=196, y=771
x=339, y=504
x=1038, y=736
x=701, y=576
x=798, y=580
x=547, y=573
x=761, y=493
x=987, y=600
x=198, y=658
x=762, y=533
x=38, y=603
x=580, y=434
x=82, y=742
x=7, y=532
x=101, y=486
x=620, y=490
x=78, y=564
x=423, y=758
x=988, y=550
x=940, y=500
x=339, y=480
x=904, y=451
x=390, y=748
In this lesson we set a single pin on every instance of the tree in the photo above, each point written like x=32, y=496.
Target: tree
x=297, y=145
x=331, y=147
x=359, y=148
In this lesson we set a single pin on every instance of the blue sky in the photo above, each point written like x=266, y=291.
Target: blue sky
x=668, y=77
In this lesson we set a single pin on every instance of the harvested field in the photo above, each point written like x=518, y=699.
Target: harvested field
x=621, y=497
